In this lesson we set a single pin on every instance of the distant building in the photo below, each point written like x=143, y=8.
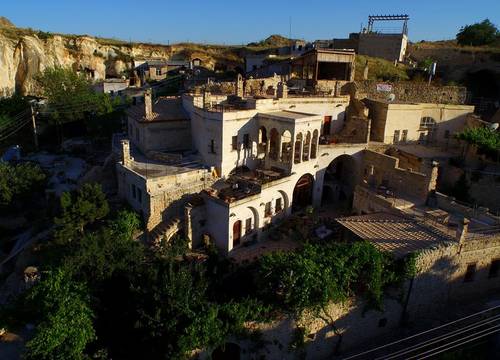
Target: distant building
x=112, y=86
x=148, y=70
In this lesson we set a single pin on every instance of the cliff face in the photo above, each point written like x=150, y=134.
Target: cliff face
x=23, y=55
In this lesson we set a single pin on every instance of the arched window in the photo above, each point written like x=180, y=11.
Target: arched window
x=427, y=122
x=286, y=146
x=307, y=145
x=262, y=135
x=314, y=144
x=298, y=143
x=275, y=144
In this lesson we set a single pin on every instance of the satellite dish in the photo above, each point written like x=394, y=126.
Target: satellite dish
x=391, y=97
x=494, y=126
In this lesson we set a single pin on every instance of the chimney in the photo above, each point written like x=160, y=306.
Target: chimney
x=239, y=86
x=462, y=229
x=126, y=158
x=282, y=90
x=433, y=175
x=148, y=104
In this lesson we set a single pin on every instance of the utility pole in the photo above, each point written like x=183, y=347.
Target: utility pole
x=33, y=123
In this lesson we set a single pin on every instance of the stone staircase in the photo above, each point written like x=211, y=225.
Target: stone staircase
x=165, y=230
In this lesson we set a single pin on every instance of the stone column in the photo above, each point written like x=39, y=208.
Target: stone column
x=282, y=90
x=239, y=86
x=461, y=234
x=148, y=104
x=126, y=158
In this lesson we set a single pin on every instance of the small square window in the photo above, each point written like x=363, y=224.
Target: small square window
x=139, y=196
x=382, y=322
x=134, y=191
x=447, y=134
x=234, y=143
x=470, y=273
x=494, y=269
x=158, y=72
x=212, y=146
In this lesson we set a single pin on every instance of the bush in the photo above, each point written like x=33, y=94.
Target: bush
x=19, y=182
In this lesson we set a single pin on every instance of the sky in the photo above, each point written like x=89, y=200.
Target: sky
x=239, y=22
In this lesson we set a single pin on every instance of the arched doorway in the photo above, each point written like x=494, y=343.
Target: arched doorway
x=339, y=182
x=302, y=193
x=236, y=233
x=228, y=351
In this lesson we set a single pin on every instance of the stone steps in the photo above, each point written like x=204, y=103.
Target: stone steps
x=165, y=230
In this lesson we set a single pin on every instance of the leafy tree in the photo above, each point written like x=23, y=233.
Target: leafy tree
x=175, y=314
x=66, y=326
x=485, y=138
x=19, y=181
x=324, y=273
x=12, y=106
x=482, y=33
x=70, y=96
x=78, y=210
x=109, y=251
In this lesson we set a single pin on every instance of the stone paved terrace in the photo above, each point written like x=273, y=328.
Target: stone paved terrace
x=255, y=251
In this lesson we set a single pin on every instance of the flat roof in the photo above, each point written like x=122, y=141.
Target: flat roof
x=285, y=114
x=396, y=234
x=164, y=109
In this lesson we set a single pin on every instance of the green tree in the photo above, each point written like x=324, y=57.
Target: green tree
x=78, y=210
x=66, y=325
x=18, y=182
x=176, y=315
x=109, y=251
x=482, y=33
x=70, y=95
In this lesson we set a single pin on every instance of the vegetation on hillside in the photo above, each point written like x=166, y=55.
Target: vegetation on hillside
x=484, y=138
x=104, y=295
x=380, y=69
x=478, y=34
x=18, y=182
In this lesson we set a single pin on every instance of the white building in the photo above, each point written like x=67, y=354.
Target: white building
x=256, y=159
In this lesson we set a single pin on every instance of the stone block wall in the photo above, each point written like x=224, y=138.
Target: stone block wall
x=407, y=91
x=169, y=194
x=384, y=169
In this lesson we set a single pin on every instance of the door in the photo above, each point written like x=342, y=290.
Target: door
x=236, y=233
x=327, y=125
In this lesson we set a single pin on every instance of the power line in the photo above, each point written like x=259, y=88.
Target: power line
x=440, y=338
x=421, y=333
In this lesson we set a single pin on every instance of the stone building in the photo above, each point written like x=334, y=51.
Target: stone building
x=257, y=158
x=407, y=122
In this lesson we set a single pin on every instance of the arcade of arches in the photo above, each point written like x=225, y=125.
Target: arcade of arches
x=285, y=148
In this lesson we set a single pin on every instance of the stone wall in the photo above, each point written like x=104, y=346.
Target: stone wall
x=407, y=91
x=381, y=169
x=170, y=194
x=440, y=280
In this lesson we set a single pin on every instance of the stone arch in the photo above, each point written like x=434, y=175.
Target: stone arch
x=286, y=204
x=297, y=149
x=303, y=192
x=314, y=144
x=255, y=219
x=306, y=147
x=339, y=181
x=262, y=135
x=274, y=144
x=286, y=146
